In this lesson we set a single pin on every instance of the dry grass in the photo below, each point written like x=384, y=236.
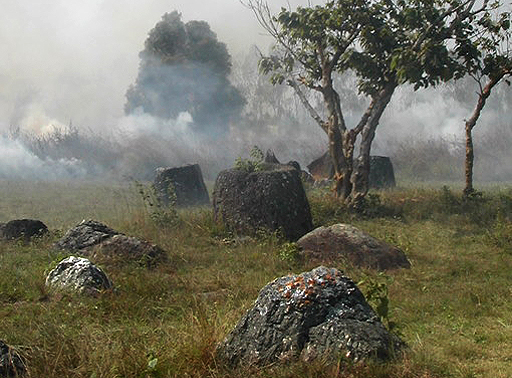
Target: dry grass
x=453, y=307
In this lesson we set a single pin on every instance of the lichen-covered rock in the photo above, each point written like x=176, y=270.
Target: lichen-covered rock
x=346, y=242
x=11, y=363
x=77, y=274
x=87, y=233
x=182, y=185
x=271, y=200
x=22, y=229
x=127, y=248
x=317, y=314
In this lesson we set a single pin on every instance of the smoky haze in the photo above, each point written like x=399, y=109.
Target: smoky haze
x=74, y=60
x=71, y=63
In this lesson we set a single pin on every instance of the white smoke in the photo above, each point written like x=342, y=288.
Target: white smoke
x=140, y=124
x=17, y=162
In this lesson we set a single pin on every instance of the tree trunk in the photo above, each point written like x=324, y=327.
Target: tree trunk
x=342, y=166
x=470, y=157
x=335, y=129
x=484, y=94
x=361, y=171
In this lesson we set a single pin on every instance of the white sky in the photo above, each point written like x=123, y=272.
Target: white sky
x=72, y=60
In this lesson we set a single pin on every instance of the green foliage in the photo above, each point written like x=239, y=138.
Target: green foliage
x=254, y=163
x=161, y=214
x=289, y=252
x=377, y=294
x=381, y=41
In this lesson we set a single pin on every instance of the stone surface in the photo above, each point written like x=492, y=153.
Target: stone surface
x=346, y=242
x=272, y=200
x=99, y=242
x=322, y=167
x=317, y=314
x=11, y=364
x=381, y=170
x=127, y=248
x=270, y=157
x=86, y=234
x=187, y=184
x=382, y=174
x=77, y=274
x=22, y=229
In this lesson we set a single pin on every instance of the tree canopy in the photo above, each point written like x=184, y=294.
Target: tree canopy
x=184, y=68
x=487, y=55
x=386, y=43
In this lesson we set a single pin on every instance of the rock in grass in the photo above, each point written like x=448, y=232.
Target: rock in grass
x=272, y=200
x=382, y=174
x=11, y=363
x=127, y=248
x=381, y=170
x=22, y=229
x=317, y=314
x=346, y=242
x=87, y=233
x=99, y=242
x=182, y=185
x=77, y=274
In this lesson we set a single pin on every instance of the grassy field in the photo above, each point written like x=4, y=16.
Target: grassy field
x=453, y=308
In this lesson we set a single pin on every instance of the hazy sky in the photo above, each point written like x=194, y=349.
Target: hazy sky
x=72, y=60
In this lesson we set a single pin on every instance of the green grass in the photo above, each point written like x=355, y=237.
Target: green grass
x=453, y=308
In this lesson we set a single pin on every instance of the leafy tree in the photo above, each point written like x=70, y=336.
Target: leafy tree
x=488, y=57
x=184, y=68
x=386, y=43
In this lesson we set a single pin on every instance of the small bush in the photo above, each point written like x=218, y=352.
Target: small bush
x=289, y=252
x=254, y=163
x=160, y=214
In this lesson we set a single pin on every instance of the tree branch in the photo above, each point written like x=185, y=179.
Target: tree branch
x=314, y=114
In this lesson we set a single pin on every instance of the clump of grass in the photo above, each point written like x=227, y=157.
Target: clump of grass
x=161, y=214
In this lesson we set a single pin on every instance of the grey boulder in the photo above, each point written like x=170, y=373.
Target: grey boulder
x=272, y=200
x=22, y=229
x=381, y=175
x=127, y=248
x=182, y=185
x=99, y=242
x=317, y=314
x=77, y=274
x=87, y=233
x=346, y=242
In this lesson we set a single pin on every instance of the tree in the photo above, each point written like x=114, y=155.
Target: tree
x=184, y=68
x=488, y=57
x=385, y=43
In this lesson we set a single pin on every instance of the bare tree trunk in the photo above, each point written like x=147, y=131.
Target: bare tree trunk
x=342, y=166
x=483, y=95
x=361, y=172
x=470, y=157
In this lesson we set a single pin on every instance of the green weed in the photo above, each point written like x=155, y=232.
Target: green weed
x=254, y=163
